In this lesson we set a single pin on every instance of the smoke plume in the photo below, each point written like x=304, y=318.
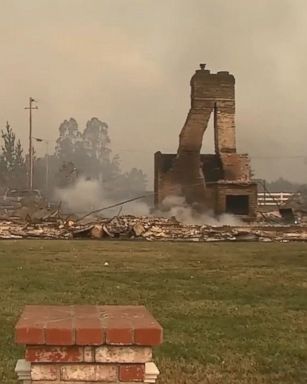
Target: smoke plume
x=88, y=195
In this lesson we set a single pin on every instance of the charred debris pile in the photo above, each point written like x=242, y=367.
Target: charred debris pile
x=41, y=222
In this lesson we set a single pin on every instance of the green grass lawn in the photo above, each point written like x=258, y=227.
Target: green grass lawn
x=232, y=313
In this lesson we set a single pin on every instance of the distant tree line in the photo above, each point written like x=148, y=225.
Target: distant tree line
x=78, y=153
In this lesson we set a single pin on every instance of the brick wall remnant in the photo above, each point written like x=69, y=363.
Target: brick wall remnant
x=193, y=175
x=80, y=344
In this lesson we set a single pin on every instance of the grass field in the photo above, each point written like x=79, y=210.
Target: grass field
x=232, y=313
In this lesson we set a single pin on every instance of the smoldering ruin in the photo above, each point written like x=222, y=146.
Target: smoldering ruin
x=197, y=197
x=220, y=182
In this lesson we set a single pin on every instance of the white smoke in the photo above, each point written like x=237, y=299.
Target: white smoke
x=136, y=208
x=83, y=196
x=88, y=195
x=177, y=206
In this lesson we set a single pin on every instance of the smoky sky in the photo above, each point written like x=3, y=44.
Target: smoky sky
x=129, y=63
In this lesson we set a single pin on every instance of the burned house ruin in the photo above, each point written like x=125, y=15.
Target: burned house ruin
x=219, y=182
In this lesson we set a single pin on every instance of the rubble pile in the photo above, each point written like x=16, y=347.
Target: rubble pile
x=15, y=230
x=148, y=228
x=169, y=229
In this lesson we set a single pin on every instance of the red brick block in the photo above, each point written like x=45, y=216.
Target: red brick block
x=133, y=372
x=89, y=331
x=148, y=336
x=59, y=312
x=86, y=311
x=54, y=354
x=119, y=335
x=59, y=332
x=147, y=331
x=87, y=325
x=119, y=332
x=28, y=332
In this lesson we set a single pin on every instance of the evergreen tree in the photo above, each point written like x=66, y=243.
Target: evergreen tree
x=12, y=162
x=8, y=148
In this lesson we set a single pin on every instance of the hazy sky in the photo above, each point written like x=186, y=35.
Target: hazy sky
x=129, y=63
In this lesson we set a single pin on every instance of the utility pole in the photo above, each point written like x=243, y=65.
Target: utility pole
x=47, y=168
x=30, y=174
